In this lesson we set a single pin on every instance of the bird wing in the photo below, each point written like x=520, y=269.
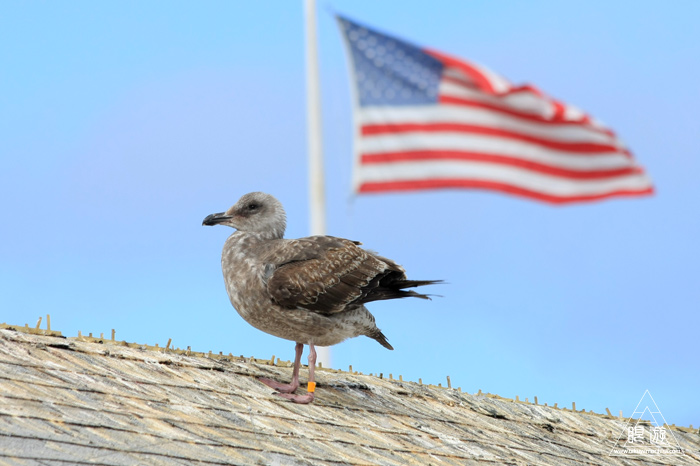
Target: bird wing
x=324, y=274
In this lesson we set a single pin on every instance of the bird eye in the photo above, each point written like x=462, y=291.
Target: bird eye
x=252, y=206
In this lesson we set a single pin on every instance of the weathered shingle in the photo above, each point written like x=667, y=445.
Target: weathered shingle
x=70, y=401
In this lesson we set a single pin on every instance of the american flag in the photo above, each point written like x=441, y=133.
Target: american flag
x=426, y=120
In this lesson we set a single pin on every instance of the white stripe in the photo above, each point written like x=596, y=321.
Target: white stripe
x=522, y=178
x=573, y=113
x=481, y=117
x=403, y=142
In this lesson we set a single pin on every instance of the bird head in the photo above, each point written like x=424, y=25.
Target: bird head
x=253, y=213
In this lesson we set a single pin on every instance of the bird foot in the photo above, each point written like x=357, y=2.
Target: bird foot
x=283, y=388
x=301, y=399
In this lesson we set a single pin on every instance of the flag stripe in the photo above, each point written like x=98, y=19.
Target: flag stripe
x=446, y=183
x=427, y=156
x=484, y=78
x=409, y=142
x=450, y=100
x=506, y=174
x=482, y=117
x=525, y=98
x=580, y=147
x=525, y=101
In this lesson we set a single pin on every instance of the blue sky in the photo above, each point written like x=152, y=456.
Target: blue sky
x=123, y=124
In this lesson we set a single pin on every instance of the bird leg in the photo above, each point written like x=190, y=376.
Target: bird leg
x=309, y=397
x=290, y=387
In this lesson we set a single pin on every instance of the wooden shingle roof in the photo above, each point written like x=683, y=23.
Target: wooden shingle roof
x=78, y=401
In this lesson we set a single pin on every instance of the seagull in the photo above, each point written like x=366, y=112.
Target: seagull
x=309, y=290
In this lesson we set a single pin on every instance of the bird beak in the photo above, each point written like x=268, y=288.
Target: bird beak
x=213, y=219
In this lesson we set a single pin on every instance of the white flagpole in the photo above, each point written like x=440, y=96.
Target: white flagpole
x=313, y=102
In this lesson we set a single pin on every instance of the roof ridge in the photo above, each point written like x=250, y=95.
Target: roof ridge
x=167, y=349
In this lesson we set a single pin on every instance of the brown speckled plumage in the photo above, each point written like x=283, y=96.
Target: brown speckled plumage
x=309, y=290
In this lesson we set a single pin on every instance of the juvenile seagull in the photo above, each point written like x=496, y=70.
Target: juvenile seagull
x=309, y=290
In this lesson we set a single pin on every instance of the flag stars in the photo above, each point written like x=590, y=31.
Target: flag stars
x=391, y=71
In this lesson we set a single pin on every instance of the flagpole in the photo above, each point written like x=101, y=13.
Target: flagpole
x=313, y=103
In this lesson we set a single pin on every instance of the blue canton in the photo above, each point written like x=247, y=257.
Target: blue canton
x=389, y=71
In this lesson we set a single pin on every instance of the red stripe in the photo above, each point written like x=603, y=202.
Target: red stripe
x=559, y=109
x=450, y=100
x=527, y=88
x=444, y=183
x=481, y=80
x=431, y=156
x=579, y=147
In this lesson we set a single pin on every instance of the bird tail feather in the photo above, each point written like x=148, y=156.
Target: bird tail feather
x=395, y=289
x=381, y=339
